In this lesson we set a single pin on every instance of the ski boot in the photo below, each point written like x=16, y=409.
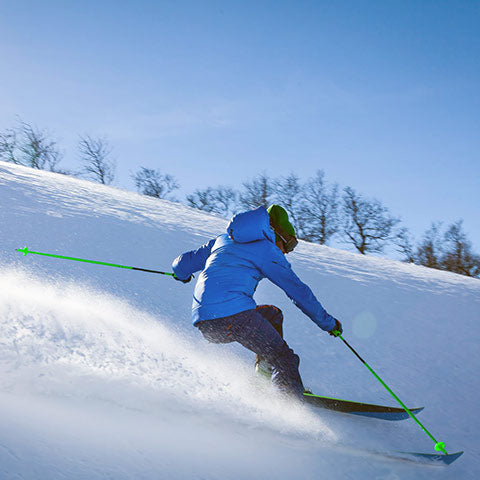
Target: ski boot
x=263, y=369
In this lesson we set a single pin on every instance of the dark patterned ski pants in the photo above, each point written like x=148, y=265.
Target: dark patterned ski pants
x=260, y=330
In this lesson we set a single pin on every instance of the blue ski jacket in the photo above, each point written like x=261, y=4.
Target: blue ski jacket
x=233, y=264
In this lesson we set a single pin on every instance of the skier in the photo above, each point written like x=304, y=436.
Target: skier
x=232, y=265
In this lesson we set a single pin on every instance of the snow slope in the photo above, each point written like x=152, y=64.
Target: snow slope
x=103, y=376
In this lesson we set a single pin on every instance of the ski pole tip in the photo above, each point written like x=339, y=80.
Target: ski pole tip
x=440, y=447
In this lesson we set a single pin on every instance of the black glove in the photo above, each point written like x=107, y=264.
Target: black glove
x=337, y=329
x=183, y=281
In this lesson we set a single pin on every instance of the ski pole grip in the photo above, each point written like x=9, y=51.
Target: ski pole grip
x=23, y=250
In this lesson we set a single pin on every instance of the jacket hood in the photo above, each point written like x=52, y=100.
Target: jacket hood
x=251, y=226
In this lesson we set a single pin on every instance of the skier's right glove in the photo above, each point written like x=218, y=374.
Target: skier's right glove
x=183, y=281
x=337, y=329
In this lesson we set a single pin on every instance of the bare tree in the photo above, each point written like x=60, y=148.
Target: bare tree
x=450, y=251
x=8, y=146
x=289, y=193
x=319, y=210
x=220, y=200
x=257, y=192
x=29, y=146
x=458, y=256
x=429, y=252
x=155, y=184
x=94, y=154
x=202, y=200
x=226, y=200
x=368, y=225
x=404, y=243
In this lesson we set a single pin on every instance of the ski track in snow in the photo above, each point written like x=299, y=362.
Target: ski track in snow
x=102, y=376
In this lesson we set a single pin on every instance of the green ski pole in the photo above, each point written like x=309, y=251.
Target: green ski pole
x=439, y=446
x=25, y=251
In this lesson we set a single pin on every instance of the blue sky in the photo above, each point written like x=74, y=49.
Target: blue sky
x=382, y=95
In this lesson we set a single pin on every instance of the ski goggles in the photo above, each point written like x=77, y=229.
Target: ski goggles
x=289, y=240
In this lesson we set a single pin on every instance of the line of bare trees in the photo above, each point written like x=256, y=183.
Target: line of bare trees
x=28, y=145
x=319, y=211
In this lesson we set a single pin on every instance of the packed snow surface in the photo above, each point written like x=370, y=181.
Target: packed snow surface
x=103, y=376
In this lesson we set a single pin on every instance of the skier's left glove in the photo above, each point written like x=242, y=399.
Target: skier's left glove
x=337, y=329
x=183, y=281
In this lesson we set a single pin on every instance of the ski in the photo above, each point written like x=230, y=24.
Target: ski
x=434, y=459
x=358, y=408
